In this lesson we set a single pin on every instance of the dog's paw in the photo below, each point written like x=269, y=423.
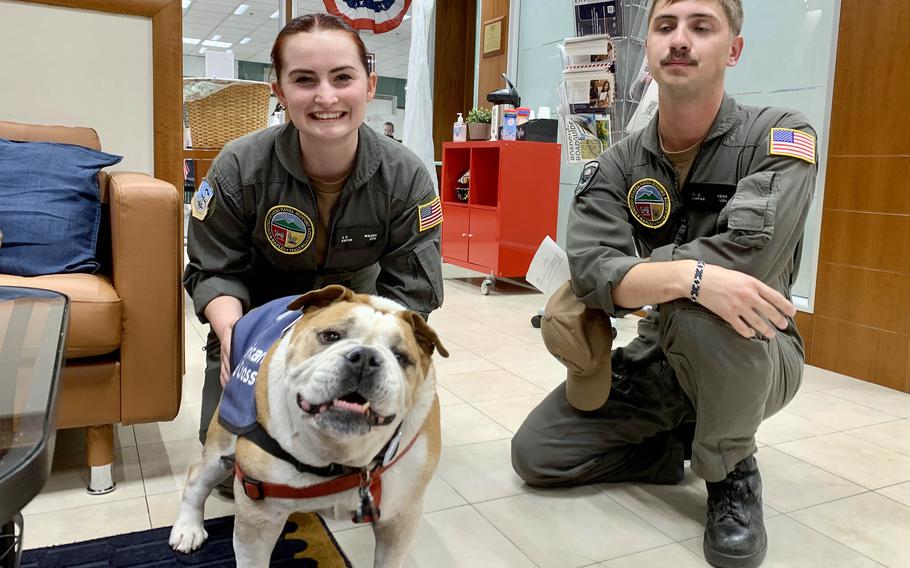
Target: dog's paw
x=187, y=537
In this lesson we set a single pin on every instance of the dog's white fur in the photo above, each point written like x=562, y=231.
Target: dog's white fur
x=299, y=364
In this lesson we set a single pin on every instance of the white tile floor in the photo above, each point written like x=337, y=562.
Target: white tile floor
x=835, y=463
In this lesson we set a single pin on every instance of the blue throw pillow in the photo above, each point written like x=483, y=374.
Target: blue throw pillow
x=50, y=207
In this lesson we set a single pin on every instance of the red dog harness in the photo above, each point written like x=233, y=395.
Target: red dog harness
x=368, y=479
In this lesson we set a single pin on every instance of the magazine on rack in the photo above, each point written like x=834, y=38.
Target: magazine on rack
x=598, y=17
x=589, y=74
x=587, y=135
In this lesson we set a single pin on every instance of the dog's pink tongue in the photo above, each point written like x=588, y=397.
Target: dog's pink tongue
x=352, y=406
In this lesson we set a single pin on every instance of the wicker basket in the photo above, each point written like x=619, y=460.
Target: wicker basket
x=229, y=113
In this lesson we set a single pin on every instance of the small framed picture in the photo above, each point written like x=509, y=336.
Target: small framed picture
x=371, y=62
x=492, y=39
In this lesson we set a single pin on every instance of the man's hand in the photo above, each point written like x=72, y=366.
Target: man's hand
x=744, y=302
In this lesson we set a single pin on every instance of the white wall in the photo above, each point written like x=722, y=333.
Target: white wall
x=193, y=66
x=80, y=68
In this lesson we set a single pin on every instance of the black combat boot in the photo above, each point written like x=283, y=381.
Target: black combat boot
x=735, y=532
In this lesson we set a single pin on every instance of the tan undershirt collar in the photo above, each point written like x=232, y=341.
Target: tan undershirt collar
x=682, y=160
x=327, y=195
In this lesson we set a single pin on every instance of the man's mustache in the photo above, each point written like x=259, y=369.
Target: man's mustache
x=678, y=57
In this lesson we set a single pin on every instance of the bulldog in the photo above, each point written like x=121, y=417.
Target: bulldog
x=342, y=419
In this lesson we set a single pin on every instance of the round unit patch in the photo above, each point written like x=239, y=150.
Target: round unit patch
x=649, y=203
x=288, y=229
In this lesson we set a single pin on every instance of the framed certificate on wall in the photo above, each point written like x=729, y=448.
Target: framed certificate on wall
x=492, y=43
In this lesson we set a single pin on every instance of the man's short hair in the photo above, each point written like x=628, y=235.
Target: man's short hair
x=389, y=124
x=732, y=8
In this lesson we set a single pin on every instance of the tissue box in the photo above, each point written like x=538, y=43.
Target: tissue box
x=538, y=130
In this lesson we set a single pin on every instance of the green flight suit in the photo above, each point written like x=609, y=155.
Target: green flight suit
x=688, y=376
x=253, y=232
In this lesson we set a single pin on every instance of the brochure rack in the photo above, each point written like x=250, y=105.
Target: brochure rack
x=607, y=57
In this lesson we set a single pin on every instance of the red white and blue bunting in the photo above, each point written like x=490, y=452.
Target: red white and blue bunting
x=378, y=16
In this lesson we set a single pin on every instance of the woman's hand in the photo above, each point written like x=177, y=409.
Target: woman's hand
x=226, y=355
x=222, y=313
x=744, y=302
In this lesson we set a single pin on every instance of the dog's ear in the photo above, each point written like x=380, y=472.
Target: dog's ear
x=426, y=337
x=321, y=298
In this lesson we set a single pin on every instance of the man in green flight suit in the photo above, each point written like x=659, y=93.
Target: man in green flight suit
x=700, y=215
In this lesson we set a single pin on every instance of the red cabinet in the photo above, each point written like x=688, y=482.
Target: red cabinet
x=512, y=204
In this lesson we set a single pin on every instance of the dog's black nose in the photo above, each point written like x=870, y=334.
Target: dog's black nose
x=363, y=361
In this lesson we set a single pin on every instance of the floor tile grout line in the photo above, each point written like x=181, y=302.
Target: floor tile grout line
x=778, y=448
x=840, y=475
x=800, y=459
x=834, y=429
x=596, y=487
x=809, y=437
x=829, y=501
x=831, y=538
x=893, y=485
x=837, y=475
x=603, y=492
x=877, y=444
x=468, y=443
x=896, y=417
x=505, y=536
x=868, y=406
x=504, y=370
x=888, y=497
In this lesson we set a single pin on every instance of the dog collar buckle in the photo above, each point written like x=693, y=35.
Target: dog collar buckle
x=367, y=509
x=253, y=488
x=392, y=449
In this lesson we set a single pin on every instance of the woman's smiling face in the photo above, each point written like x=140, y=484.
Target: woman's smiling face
x=324, y=86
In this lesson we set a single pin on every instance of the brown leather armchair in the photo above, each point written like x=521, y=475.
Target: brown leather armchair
x=124, y=345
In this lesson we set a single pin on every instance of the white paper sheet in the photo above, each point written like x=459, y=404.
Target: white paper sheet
x=549, y=268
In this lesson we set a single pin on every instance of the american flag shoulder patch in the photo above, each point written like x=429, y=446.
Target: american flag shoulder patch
x=429, y=214
x=793, y=143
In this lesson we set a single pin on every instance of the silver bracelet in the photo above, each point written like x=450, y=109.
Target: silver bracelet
x=696, y=283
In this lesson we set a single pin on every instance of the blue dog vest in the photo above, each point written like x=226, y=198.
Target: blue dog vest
x=252, y=336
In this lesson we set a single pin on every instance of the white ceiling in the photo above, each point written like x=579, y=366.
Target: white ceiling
x=203, y=19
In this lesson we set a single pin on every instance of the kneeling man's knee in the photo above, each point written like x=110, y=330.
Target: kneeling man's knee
x=527, y=457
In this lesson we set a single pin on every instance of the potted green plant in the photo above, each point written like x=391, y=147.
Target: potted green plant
x=479, y=123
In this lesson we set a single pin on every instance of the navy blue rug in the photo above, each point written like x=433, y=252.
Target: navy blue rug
x=305, y=541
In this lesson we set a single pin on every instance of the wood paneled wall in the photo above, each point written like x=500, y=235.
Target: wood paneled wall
x=453, y=67
x=491, y=68
x=861, y=324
